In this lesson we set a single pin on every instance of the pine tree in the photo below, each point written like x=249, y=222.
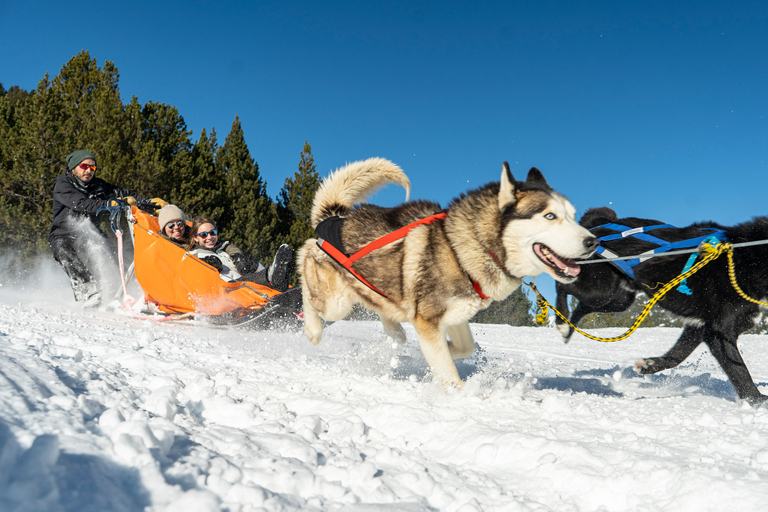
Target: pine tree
x=295, y=203
x=143, y=148
x=90, y=114
x=160, y=150
x=252, y=220
x=200, y=188
x=33, y=135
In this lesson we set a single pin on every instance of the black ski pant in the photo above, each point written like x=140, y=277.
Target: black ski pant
x=72, y=253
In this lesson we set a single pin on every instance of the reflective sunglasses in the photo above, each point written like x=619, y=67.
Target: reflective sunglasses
x=86, y=166
x=204, y=234
x=176, y=224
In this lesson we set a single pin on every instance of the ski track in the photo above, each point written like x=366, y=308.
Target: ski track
x=100, y=411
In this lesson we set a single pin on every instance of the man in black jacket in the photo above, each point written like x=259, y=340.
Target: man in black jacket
x=75, y=234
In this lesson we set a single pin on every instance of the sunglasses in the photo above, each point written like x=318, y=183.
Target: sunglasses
x=176, y=224
x=86, y=166
x=204, y=234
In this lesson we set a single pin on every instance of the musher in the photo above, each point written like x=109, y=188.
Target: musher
x=77, y=196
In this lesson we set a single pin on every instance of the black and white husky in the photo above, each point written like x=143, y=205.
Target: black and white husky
x=714, y=312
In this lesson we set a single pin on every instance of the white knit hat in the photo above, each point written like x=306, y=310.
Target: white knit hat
x=169, y=213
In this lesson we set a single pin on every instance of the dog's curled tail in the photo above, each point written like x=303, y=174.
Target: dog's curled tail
x=354, y=183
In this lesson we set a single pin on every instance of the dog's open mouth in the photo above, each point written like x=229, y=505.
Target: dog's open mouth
x=564, y=266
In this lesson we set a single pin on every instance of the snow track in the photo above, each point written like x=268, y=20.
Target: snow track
x=103, y=412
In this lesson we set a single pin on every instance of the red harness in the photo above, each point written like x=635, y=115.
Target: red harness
x=347, y=261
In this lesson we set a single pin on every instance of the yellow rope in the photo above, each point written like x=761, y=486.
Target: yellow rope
x=709, y=252
x=732, y=277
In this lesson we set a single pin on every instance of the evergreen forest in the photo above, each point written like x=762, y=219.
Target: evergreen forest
x=149, y=149
x=146, y=148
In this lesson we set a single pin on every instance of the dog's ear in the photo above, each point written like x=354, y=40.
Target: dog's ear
x=536, y=178
x=507, y=188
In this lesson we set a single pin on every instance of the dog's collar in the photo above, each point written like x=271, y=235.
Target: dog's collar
x=478, y=289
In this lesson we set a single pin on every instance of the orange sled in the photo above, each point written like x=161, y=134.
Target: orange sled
x=177, y=283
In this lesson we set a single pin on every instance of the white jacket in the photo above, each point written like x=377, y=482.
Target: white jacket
x=229, y=272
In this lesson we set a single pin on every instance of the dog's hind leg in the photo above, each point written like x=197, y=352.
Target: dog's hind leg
x=726, y=351
x=313, y=324
x=393, y=329
x=462, y=344
x=324, y=292
x=434, y=346
x=691, y=338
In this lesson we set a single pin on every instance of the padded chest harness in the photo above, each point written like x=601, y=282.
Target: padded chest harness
x=329, y=233
x=641, y=233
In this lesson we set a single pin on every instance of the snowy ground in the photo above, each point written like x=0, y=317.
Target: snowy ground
x=103, y=412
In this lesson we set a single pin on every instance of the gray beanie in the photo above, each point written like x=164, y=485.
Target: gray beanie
x=75, y=157
x=168, y=213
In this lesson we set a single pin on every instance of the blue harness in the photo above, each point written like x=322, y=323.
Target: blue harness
x=713, y=236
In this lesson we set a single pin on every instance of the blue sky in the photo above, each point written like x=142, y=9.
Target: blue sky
x=659, y=109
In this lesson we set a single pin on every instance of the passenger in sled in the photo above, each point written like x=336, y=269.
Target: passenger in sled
x=176, y=287
x=234, y=265
x=173, y=225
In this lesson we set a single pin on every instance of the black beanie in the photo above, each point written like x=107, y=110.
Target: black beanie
x=78, y=156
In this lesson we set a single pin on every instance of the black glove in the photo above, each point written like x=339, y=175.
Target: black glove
x=214, y=262
x=152, y=205
x=158, y=202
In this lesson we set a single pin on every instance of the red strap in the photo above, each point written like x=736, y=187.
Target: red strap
x=347, y=262
x=394, y=236
x=478, y=289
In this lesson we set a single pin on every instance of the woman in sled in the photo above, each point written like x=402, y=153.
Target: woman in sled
x=232, y=263
x=173, y=225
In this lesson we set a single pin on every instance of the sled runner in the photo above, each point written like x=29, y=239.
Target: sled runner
x=176, y=283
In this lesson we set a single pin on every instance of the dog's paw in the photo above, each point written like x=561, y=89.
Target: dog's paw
x=650, y=366
x=757, y=401
x=314, y=336
x=397, y=334
x=645, y=366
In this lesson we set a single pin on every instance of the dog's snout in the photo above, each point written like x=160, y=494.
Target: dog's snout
x=590, y=243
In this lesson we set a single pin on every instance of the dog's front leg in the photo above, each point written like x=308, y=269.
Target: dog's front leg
x=691, y=338
x=434, y=345
x=393, y=329
x=561, y=303
x=462, y=344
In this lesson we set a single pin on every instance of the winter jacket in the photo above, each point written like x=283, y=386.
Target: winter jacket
x=228, y=255
x=73, y=199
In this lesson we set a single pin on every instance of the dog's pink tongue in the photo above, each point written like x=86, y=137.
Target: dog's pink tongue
x=566, y=266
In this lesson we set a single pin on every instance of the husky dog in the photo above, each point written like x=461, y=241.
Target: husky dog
x=439, y=274
x=714, y=312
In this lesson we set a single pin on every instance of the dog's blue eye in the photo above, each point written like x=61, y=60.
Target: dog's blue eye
x=550, y=216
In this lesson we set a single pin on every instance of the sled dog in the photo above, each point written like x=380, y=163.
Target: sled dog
x=714, y=313
x=440, y=274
